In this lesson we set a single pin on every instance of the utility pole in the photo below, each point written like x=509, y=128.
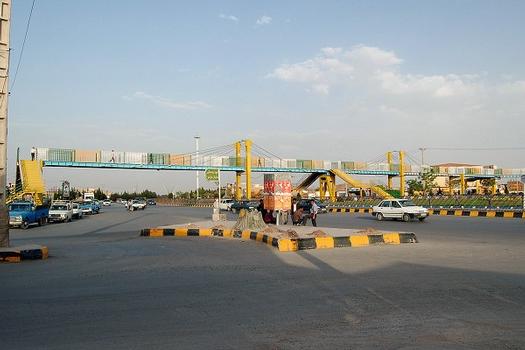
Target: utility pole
x=422, y=149
x=197, y=163
x=5, y=20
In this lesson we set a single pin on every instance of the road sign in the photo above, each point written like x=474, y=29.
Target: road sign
x=212, y=174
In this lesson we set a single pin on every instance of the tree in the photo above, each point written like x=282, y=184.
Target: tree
x=424, y=183
x=99, y=195
x=488, y=184
x=414, y=186
x=427, y=179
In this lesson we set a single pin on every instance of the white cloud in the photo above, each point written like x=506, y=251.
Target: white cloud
x=264, y=20
x=372, y=85
x=165, y=102
x=229, y=17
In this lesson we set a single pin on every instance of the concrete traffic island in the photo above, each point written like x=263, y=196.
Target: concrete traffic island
x=286, y=238
x=24, y=252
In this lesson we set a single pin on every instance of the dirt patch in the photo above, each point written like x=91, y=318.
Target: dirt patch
x=367, y=231
x=278, y=233
x=318, y=233
x=192, y=226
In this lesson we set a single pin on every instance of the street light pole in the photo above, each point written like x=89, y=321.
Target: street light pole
x=197, y=163
x=422, y=149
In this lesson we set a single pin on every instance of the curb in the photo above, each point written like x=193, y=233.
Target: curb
x=16, y=254
x=448, y=212
x=186, y=205
x=286, y=244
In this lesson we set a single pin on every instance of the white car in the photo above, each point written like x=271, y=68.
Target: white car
x=225, y=204
x=403, y=209
x=60, y=211
x=136, y=205
x=77, y=211
x=106, y=203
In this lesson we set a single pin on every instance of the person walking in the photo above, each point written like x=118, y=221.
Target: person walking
x=293, y=210
x=33, y=153
x=314, y=209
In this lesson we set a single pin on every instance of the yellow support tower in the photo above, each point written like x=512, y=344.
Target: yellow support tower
x=248, y=168
x=389, y=177
x=462, y=185
x=402, y=174
x=322, y=187
x=238, y=192
x=332, y=190
x=494, y=187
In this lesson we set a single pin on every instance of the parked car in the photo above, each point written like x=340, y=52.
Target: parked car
x=403, y=209
x=77, y=211
x=226, y=204
x=60, y=211
x=23, y=214
x=106, y=203
x=151, y=202
x=305, y=204
x=237, y=206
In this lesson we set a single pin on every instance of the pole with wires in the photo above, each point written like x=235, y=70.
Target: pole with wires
x=5, y=19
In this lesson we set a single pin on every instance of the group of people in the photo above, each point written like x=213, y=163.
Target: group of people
x=299, y=215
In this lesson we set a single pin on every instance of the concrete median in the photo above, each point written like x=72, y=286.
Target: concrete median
x=321, y=238
x=28, y=252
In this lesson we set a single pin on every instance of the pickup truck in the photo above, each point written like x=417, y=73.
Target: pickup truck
x=61, y=212
x=23, y=214
x=89, y=207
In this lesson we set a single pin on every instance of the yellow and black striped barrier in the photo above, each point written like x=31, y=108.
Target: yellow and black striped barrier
x=16, y=254
x=287, y=244
x=186, y=205
x=488, y=213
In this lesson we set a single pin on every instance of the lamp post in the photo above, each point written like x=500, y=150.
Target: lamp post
x=197, y=163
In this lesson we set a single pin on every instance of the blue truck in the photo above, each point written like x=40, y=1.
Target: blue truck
x=89, y=207
x=24, y=214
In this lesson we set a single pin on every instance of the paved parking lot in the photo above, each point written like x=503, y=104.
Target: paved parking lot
x=104, y=286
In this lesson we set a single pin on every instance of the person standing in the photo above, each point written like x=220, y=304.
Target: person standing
x=33, y=153
x=314, y=209
x=293, y=210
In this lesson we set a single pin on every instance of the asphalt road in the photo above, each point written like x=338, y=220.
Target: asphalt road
x=461, y=287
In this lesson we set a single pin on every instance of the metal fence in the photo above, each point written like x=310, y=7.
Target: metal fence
x=508, y=201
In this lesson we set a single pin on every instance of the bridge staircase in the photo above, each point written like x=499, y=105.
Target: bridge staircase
x=29, y=182
x=356, y=183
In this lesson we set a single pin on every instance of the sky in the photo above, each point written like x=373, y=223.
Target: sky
x=333, y=80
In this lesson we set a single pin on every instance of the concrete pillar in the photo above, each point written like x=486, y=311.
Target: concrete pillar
x=238, y=191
